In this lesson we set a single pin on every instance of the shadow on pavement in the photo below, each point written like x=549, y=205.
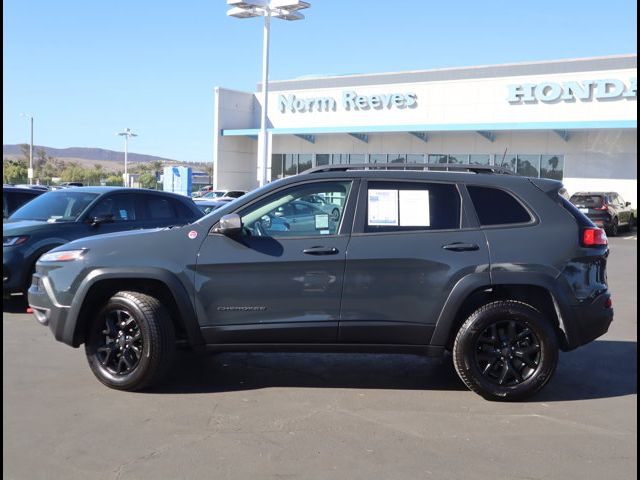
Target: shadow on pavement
x=247, y=371
x=601, y=369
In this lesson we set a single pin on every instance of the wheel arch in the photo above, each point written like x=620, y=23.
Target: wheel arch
x=468, y=296
x=165, y=286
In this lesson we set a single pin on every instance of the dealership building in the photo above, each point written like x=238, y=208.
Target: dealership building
x=572, y=120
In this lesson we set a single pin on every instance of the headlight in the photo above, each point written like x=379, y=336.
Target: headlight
x=62, y=256
x=14, y=241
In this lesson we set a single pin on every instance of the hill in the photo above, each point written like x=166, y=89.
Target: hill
x=88, y=157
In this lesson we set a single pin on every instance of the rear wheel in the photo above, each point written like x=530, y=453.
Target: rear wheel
x=506, y=350
x=131, y=342
x=614, y=228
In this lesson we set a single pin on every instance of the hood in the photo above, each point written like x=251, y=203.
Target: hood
x=24, y=227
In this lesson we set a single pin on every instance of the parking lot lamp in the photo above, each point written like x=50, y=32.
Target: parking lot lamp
x=30, y=171
x=284, y=10
x=126, y=134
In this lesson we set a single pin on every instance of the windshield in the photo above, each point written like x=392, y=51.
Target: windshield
x=56, y=206
x=215, y=194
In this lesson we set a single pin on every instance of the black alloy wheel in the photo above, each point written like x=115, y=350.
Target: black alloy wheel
x=508, y=352
x=131, y=341
x=122, y=344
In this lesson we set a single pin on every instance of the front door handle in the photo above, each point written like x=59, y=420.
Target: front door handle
x=320, y=251
x=461, y=247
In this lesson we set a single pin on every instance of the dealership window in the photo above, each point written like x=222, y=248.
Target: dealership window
x=304, y=162
x=437, y=159
x=528, y=165
x=322, y=159
x=458, y=158
x=377, y=158
x=397, y=158
x=276, y=166
x=339, y=158
x=508, y=161
x=480, y=159
x=410, y=206
x=552, y=166
x=415, y=158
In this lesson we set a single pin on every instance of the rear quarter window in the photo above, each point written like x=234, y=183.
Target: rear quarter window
x=497, y=207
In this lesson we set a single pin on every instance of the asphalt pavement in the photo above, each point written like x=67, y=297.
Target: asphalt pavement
x=321, y=416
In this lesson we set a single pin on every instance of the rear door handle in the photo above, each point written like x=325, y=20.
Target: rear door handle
x=320, y=251
x=461, y=247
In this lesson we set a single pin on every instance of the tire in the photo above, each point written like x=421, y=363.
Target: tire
x=494, y=340
x=632, y=223
x=131, y=342
x=614, y=228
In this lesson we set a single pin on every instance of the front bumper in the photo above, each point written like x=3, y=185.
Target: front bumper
x=48, y=312
x=13, y=271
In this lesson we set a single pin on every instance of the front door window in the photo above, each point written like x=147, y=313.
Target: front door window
x=309, y=210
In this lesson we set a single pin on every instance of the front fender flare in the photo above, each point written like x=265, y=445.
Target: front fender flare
x=169, y=279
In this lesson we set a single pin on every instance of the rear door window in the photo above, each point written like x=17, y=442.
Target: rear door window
x=410, y=206
x=497, y=207
x=159, y=208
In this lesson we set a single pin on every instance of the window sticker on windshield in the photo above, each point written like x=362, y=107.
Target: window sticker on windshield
x=414, y=208
x=123, y=214
x=325, y=232
x=322, y=221
x=383, y=207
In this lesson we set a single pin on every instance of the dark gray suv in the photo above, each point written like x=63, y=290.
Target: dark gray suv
x=500, y=270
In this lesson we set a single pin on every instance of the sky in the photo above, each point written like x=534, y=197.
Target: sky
x=86, y=70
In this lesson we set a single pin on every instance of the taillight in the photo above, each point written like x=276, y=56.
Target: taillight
x=603, y=207
x=594, y=237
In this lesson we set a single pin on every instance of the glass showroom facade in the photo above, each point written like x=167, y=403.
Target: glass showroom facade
x=528, y=165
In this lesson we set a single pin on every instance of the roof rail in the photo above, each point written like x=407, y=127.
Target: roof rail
x=411, y=166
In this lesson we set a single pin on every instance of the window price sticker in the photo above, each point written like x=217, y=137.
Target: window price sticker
x=383, y=207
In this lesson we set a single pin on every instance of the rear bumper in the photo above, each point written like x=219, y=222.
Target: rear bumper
x=590, y=321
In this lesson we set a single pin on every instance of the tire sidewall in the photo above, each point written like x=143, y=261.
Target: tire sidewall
x=466, y=343
x=136, y=377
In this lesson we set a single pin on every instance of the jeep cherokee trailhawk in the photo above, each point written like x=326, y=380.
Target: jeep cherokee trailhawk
x=500, y=270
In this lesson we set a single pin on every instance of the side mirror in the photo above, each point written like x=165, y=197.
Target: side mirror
x=97, y=220
x=229, y=225
x=627, y=204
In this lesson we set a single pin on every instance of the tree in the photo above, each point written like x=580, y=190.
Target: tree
x=14, y=171
x=147, y=180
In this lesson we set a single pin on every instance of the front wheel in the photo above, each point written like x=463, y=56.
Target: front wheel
x=131, y=342
x=506, y=351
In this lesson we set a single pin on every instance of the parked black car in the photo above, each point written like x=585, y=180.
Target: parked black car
x=14, y=197
x=60, y=216
x=501, y=270
x=606, y=209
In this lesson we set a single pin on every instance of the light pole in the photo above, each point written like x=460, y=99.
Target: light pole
x=284, y=10
x=126, y=134
x=30, y=171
